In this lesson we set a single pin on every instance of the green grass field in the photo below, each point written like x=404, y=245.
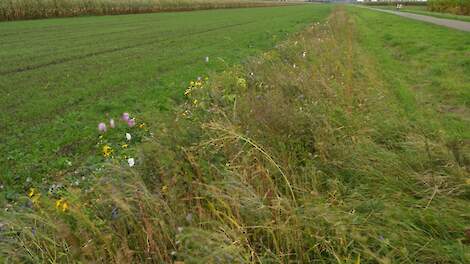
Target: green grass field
x=59, y=77
x=344, y=142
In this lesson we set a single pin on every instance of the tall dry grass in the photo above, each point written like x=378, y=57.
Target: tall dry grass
x=458, y=7
x=32, y=9
x=301, y=156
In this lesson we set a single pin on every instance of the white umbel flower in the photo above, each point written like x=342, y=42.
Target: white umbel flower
x=131, y=162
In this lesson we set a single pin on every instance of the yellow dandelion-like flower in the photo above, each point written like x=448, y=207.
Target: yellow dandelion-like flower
x=31, y=192
x=142, y=125
x=34, y=195
x=62, y=205
x=58, y=203
x=187, y=92
x=125, y=146
x=65, y=206
x=195, y=102
x=107, y=151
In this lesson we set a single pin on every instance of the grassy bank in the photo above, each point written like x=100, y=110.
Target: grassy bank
x=329, y=148
x=29, y=9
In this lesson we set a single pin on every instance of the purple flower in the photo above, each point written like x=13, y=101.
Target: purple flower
x=102, y=127
x=131, y=122
x=126, y=117
x=111, y=123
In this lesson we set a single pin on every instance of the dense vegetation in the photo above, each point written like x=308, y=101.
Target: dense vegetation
x=459, y=7
x=346, y=144
x=30, y=9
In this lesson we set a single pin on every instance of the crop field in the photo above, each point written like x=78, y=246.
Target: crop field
x=458, y=7
x=29, y=9
x=69, y=73
x=313, y=133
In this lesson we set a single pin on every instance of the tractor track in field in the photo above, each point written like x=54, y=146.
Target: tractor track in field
x=107, y=51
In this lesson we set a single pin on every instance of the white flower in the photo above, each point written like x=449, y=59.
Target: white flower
x=128, y=136
x=206, y=59
x=131, y=162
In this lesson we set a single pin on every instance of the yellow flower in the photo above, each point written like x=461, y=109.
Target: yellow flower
x=187, y=92
x=65, y=206
x=31, y=192
x=142, y=125
x=61, y=204
x=125, y=146
x=107, y=150
x=195, y=102
x=34, y=196
x=58, y=203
